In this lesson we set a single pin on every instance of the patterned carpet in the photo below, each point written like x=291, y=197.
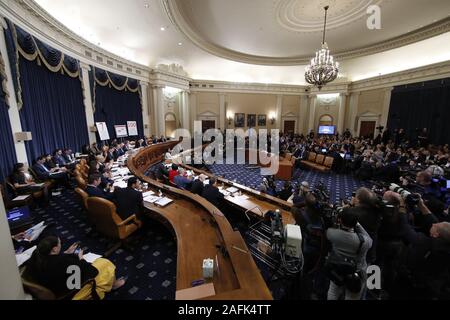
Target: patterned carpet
x=340, y=186
x=151, y=267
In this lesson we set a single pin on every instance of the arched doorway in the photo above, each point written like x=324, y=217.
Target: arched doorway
x=326, y=120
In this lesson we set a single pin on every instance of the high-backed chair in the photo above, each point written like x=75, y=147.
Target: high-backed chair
x=102, y=213
x=40, y=292
x=83, y=196
x=320, y=159
x=81, y=182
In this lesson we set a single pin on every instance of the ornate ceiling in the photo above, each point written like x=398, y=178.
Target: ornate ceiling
x=265, y=41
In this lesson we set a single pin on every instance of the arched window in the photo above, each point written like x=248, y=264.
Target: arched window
x=326, y=120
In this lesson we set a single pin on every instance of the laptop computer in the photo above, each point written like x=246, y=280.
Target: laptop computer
x=19, y=218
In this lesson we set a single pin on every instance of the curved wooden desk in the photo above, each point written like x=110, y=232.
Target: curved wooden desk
x=202, y=232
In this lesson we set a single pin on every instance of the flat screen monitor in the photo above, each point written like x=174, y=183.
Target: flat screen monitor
x=448, y=184
x=326, y=130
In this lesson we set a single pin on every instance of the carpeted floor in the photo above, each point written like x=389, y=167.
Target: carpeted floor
x=340, y=186
x=151, y=268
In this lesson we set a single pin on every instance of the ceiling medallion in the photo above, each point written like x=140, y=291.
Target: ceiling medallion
x=322, y=69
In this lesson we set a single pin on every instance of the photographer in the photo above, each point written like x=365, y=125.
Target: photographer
x=427, y=258
x=347, y=263
x=365, y=208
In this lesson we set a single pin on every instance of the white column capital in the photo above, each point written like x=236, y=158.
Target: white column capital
x=144, y=84
x=85, y=66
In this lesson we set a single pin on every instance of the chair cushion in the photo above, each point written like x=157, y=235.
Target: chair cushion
x=320, y=159
x=328, y=162
x=312, y=156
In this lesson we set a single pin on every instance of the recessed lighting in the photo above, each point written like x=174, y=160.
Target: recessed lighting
x=163, y=29
x=146, y=5
x=180, y=43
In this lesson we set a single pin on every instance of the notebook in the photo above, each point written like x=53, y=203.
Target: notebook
x=163, y=202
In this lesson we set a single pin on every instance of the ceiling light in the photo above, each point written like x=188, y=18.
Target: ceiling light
x=180, y=43
x=146, y=5
x=322, y=69
x=163, y=29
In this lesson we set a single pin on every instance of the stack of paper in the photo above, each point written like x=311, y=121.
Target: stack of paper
x=147, y=194
x=120, y=184
x=163, y=202
x=91, y=257
x=24, y=256
x=21, y=198
x=232, y=190
x=34, y=233
x=151, y=199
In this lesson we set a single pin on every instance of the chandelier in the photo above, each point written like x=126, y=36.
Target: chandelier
x=322, y=69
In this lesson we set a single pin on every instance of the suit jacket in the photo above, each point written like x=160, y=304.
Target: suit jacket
x=99, y=193
x=197, y=187
x=212, y=194
x=60, y=161
x=128, y=202
x=40, y=171
x=69, y=158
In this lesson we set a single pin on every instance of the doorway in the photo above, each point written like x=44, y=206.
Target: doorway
x=171, y=125
x=289, y=127
x=367, y=129
x=208, y=124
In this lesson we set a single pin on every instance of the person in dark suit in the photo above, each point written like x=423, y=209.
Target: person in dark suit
x=68, y=156
x=119, y=150
x=212, y=194
x=57, y=174
x=94, y=150
x=129, y=201
x=161, y=172
x=58, y=158
x=93, y=188
x=49, y=162
x=198, y=185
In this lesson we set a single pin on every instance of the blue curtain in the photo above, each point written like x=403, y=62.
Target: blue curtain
x=116, y=100
x=53, y=110
x=422, y=105
x=117, y=107
x=7, y=151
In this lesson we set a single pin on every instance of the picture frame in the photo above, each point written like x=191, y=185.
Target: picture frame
x=262, y=120
x=239, y=120
x=251, y=120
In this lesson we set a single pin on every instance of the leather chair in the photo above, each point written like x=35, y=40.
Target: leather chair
x=40, y=292
x=81, y=182
x=83, y=197
x=320, y=159
x=17, y=192
x=102, y=214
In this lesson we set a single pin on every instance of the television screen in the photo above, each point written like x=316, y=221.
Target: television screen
x=326, y=130
x=448, y=184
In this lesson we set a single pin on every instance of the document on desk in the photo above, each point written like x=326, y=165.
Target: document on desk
x=34, y=232
x=120, y=184
x=232, y=190
x=91, y=257
x=21, y=198
x=151, y=199
x=147, y=194
x=224, y=192
x=162, y=202
x=243, y=197
x=25, y=256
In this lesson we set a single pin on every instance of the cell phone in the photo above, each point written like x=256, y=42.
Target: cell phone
x=77, y=251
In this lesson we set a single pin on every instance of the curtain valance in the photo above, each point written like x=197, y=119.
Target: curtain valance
x=105, y=78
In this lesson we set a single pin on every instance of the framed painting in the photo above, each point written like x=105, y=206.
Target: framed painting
x=239, y=120
x=262, y=120
x=251, y=120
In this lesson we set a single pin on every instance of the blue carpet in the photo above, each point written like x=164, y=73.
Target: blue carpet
x=340, y=186
x=151, y=268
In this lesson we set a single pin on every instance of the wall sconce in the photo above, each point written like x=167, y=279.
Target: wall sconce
x=230, y=117
x=272, y=118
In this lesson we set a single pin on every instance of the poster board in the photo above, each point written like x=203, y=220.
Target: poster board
x=102, y=130
x=121, y=131
x=132, y=128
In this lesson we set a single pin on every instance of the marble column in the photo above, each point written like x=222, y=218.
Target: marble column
x=158, y=110
x=341, y=118
x=88, y=102
x=13, y=111
x=279, y=124
x=312, y=114
x=223, y=111
x=353, y=112
x=145, y=108
x=386, y=106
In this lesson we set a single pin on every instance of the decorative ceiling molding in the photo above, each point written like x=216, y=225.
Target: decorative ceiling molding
x=234, y=87
x=426, y=73
x=176, y=17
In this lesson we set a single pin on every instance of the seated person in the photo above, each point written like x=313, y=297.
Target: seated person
x=212, y=194
x=93, y=188
x=49, y=268
x=49, y=162
x=23, y=181
x=198, y=185
x=57, y=174
x=168, y=155
x=173, y=172
x=182, y=181
x=68, y=156
x=94, y=150
x=161, y=173
x=60, y=161
x=129, y=201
